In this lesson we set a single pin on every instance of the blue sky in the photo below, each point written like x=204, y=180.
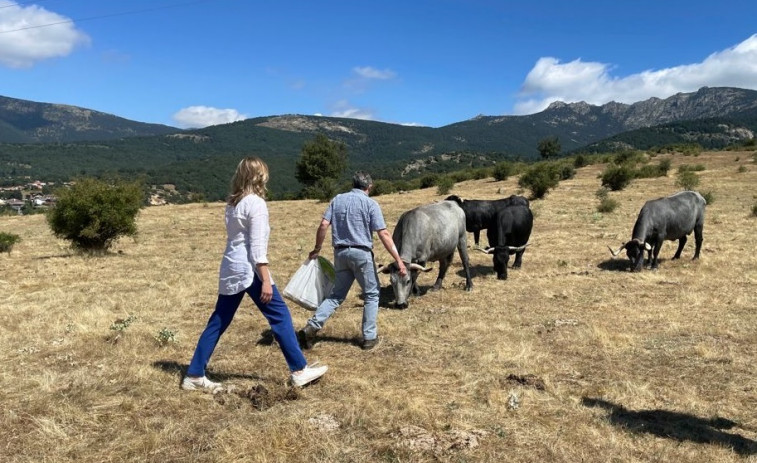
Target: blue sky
x=426, y=62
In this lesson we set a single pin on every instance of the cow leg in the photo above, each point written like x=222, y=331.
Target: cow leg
x=476, y=236
x=444, y=264
x=655, y=252
x=681, y=244
x=518, y=258
x=698, y=238
x=462, y=249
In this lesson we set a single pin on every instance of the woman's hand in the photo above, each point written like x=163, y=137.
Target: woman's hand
x=266, y=293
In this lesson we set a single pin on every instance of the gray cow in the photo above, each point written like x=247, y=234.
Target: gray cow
x=671, y=218
x=425, y=234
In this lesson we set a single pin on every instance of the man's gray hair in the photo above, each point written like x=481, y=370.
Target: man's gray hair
x=362, y=180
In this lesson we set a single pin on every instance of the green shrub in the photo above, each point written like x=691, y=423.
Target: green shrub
x=429, y=180
x=580, y=161
x=7, y=240
x=628, y=157
x=741, y=169
x=444, y=185
x=617, y=177
x=652, y=171
x=690, y=168
x=602, y=193
x=502, y=171
x=567, y=171
x=754, y=210
x=687, y=180
x=93, y=214
x=382, y=187
x=708, y=196
x=480, y=173
x=607, y=205
x=540, y=178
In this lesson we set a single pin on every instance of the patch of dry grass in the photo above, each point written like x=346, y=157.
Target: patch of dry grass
x=571, y=359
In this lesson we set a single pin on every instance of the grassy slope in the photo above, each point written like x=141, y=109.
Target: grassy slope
x=677, y=341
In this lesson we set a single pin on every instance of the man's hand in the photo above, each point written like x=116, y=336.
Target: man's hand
x=402, y=269
x=314, y=253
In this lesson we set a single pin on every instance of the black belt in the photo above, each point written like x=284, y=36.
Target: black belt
x=345, y=246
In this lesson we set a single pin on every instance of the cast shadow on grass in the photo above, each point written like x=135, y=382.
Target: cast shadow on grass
x=677, y=426
x=170, y=366
x=623, y=265
x=478, y=270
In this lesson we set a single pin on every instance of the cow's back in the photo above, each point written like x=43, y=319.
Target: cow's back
x=671, y=217
x=430, y=232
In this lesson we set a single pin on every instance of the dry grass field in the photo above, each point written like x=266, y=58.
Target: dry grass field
x=573, y=358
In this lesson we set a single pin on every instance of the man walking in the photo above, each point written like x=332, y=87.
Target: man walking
x=353, y=216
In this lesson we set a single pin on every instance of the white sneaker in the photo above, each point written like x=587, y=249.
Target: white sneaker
x=203, y=383
x=308, y=374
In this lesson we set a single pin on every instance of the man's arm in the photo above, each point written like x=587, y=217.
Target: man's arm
x=320, y=235
x=388, y=242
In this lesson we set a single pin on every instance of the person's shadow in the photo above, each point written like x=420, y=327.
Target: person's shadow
x=674, y=425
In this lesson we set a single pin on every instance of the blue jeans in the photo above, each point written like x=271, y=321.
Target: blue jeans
x=352, y=264
x=277, y=314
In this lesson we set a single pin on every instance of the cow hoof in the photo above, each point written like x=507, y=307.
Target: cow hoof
x=502, y=277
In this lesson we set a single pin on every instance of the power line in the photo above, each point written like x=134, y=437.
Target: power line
x=109, y=15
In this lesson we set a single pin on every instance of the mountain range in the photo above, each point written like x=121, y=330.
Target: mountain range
x=57, y=142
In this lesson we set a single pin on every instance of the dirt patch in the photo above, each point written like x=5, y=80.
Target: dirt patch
x=526, y=380
x=417, y=438
x=258, y=395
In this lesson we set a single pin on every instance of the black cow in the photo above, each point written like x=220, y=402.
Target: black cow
x=480, y=214
x=425, y=234
x=508, y=234
x=671, y=218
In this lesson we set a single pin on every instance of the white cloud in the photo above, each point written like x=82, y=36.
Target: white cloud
x=343, y=108
x=368, y=72
x=592, y=82
x=203, y=116
x=23, y=43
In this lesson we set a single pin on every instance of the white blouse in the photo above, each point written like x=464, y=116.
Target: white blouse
x=247, y=232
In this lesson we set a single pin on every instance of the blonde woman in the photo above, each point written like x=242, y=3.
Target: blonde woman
x=244, y=269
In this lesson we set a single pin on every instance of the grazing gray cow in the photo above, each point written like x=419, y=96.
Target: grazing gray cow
x=480, y=214
x=425, y=234
x=671, y=218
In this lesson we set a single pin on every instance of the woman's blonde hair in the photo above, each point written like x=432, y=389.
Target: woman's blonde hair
x=250, y=177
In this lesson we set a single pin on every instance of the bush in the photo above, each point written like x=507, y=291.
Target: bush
x=708, y=196
x=382, y=187
x=567, y=171
x=754, y=210
x=502, y=171
x=480, y=173
x=427, y=181
x=7, y=240
x=607, y=205
x=687, y=180
x=444, y=185
x=652, y=171
x=93, y=214
x=617, y=177
x=540, y=178
x=690, y=168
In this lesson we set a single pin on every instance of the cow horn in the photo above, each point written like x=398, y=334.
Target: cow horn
x=647, y=246
x=485, y=251
x=415, y=266
x=490, y=250
x=382, y=269
x=615, y=253
x=517, y=248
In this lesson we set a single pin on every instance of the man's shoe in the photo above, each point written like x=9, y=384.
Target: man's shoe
x=369, y=344
x=306, y=336
x=200, y=384
x=308, y=374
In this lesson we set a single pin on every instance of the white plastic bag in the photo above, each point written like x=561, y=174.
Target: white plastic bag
x=312, y=283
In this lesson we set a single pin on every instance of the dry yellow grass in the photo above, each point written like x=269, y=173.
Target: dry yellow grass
x=571, y=359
